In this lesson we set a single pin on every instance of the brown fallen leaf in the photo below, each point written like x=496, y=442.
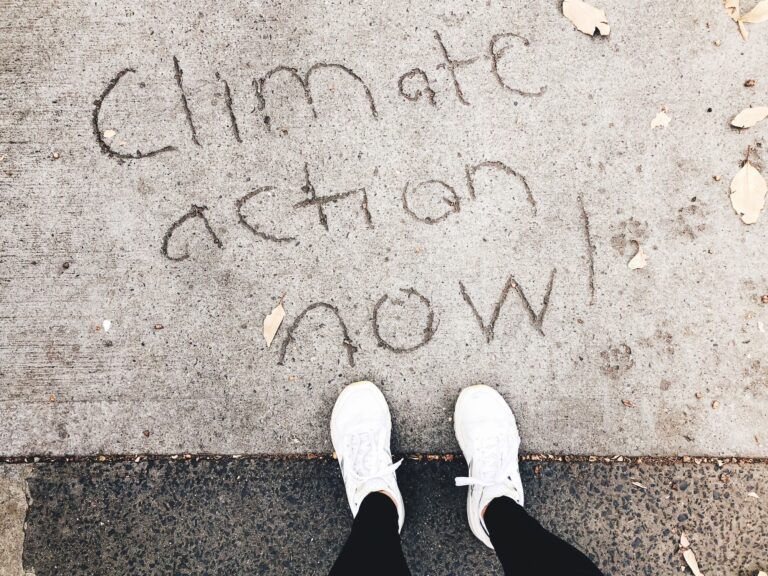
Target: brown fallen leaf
x=733, y=9
x=586, y=17
x=743, y=30
x=639, y=260
x=690, y=559
x=661, y=120
x=628, y=403
x=750, y=116
x=273, y=321
x=758, y=14
x=748, y=190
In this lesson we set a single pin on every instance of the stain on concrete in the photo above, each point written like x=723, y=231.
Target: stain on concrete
x=14, y=500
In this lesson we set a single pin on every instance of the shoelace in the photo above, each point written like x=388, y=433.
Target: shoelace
x=365, y=451
x=382, y=473
x=485, y=482
x=488, y=452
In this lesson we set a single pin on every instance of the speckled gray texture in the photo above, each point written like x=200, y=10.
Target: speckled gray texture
x=278, y=517
x=82, y=230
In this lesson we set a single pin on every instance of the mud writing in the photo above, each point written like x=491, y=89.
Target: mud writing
x=430, y=327
x=537, y=319
x=447, y=76
x=439, y=188
x=305, y=83
x=412, y=87
x=195, y=212
x=321, y=201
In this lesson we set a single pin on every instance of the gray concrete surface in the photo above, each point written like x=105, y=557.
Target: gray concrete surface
x=283, y=517
x=184, y=367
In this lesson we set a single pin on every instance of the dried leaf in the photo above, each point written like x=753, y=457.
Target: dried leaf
x=743, y=30
x=690, y=559
x=748, y=190
x=272, y=323
x=586, y=18
x=661, y=120
x=750, y=116
x=628, y=403
x=639, y=260
x=758, y=14
x=684, y=542
x=732, y=7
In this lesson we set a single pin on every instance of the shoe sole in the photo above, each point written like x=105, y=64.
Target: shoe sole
x=474, y=521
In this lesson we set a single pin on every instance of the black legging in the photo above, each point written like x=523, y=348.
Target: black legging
x=522, y=545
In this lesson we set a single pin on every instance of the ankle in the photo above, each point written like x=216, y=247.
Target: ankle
x=501, y=507
x=388, y=495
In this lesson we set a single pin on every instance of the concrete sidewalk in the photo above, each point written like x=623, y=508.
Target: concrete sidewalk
x=141, y=244
x=256, y=516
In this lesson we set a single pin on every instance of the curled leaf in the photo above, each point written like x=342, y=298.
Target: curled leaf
x=690, y=559
x=732, y=7
x=272, y=323
x=750, y=116
x=748, y=190
x=586, y=17
x=661, y=120
x=639, y=260
x=743, y=30
x=758, y=14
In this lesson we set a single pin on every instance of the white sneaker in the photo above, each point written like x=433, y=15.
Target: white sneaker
x=487, y=433
x=360, y=430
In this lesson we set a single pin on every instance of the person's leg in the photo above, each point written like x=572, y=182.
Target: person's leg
x=361, y=427
x=373, y=546
x=524, y=547
x=487, y=433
